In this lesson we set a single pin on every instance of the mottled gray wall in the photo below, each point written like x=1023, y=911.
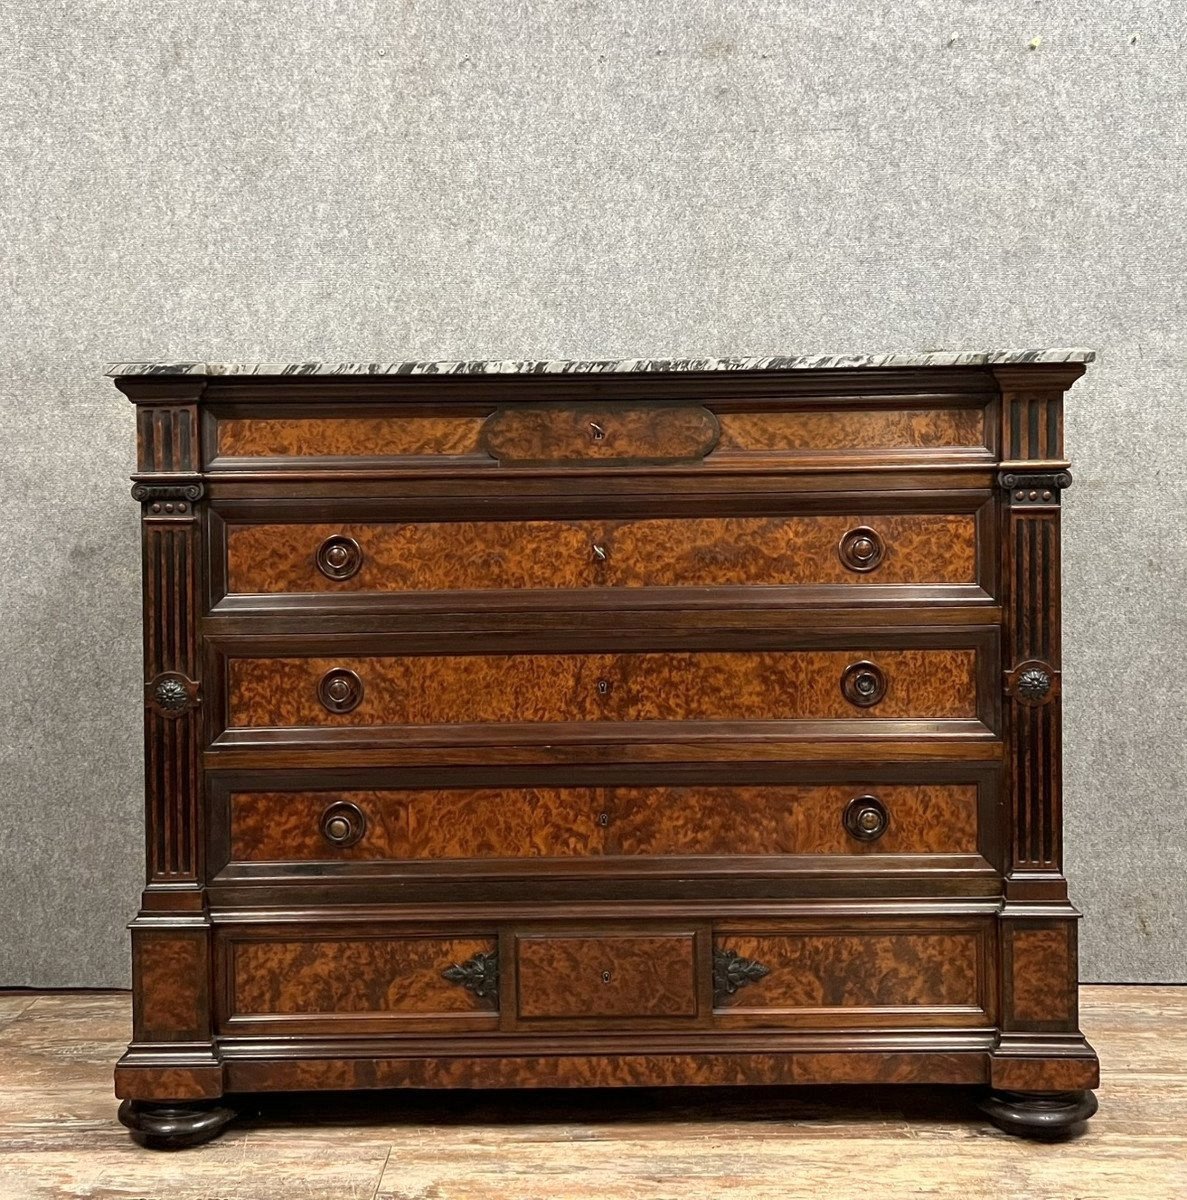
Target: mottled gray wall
x=217, y=179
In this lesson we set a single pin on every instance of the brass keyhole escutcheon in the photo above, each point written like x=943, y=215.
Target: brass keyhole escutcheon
x=605, y=976
x=866, y=818
x=603, y=819
x=596, y=432
x=861, y=549
x=604, y=687
x=863, y=684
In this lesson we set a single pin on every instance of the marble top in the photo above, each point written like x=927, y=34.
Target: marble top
x=620, y=366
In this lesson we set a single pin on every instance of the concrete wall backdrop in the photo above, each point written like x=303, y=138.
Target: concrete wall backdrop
x=249, y=179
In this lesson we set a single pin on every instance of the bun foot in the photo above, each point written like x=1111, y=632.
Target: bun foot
x=1045, y=1116
x=165, y=1126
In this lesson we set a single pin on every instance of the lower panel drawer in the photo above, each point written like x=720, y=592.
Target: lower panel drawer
x=876, y=973
x=638, y=975
x=316, y=979
x=526, y=975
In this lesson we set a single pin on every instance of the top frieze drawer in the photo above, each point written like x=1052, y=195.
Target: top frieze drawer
x=727, y=435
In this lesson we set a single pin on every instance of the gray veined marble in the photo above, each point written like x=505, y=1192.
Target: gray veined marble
x=795, y=362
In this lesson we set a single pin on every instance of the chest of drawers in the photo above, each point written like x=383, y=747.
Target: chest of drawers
x=600, y=724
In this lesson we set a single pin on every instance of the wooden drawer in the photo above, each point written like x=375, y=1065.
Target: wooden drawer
x=736, y=427
x=845, y=551
x=874, y=972
x=312, y=978
x=526, y=689
x=468, y=824
x=644, y=975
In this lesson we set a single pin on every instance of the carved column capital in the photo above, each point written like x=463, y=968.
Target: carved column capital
x=1025, y=488
x=174, y=498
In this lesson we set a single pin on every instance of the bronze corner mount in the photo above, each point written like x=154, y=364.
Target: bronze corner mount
x=731, y=971
x=479, y=975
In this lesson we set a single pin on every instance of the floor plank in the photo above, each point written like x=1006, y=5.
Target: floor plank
x=59, y=1139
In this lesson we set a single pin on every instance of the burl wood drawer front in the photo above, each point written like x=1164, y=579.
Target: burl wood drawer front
x=643, y=975
x=523, y=436
x=876, y=972
x=410, y=434
x=725, y=432
x=322, y=976
x=529, y=823
x=821, y=430
x=767, y=685
x=853, y=550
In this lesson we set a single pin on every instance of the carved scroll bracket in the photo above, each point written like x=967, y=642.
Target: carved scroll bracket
x=1034, y=487
x=172, y=694
x=1033, y=682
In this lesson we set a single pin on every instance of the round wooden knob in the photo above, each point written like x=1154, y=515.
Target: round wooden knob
x=340, y=690
x=342, y=824
x=339, y=557
x=863, y=684
x=861, y=549
x=866, y=818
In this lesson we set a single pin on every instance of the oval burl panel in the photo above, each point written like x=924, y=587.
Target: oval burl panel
x=353, y=975
x=825, y=973
x=395, y=436
x=854, y=429
x=544, y=434
x=920, y=548
x=525, y=823
x=768, y=685
x=620, y=976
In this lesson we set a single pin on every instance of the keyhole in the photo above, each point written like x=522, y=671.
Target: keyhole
x=605, y=976
x=603, y=687
x=596, y=432
x=603, y=819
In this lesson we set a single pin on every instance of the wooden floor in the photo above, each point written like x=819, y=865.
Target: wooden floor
x=59, y=1136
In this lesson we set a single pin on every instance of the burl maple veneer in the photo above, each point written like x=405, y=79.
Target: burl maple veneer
x=596, y=724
